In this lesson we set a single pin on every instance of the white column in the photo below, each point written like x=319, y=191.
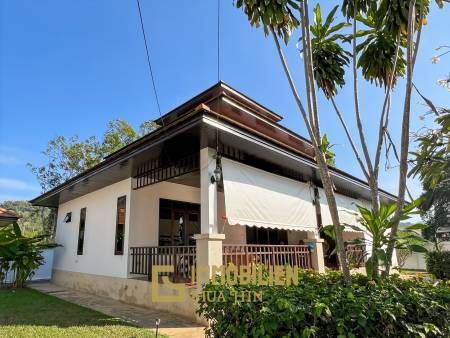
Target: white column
x=209, y=242
x=317, y=258
x=208, y=192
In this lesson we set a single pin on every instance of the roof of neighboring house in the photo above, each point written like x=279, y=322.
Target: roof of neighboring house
x=220, y=104
x=443, y=230
x=8, y=215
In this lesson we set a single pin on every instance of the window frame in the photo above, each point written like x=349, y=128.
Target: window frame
x=81, y=235
x=118, y=252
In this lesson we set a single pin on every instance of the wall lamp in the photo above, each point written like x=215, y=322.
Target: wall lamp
x=217, y=174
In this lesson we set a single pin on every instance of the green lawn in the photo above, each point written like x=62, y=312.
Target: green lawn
x=29, y=313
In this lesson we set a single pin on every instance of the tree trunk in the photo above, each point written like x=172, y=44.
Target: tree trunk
x=404, y=137
x=323, y=168
x=356, y=99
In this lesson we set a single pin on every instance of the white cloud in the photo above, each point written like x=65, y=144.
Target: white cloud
x=13, y=184
x=9, y=160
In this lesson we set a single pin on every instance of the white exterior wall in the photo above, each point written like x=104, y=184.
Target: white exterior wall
x=100, y=231
x=145, y=209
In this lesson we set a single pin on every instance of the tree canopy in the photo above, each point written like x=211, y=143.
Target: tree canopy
x=70, y=156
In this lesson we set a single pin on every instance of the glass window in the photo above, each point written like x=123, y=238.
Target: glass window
x=120, y=225
x=80, y=245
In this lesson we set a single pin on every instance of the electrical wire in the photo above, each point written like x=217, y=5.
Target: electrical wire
x=149, y=63
x=218, y=40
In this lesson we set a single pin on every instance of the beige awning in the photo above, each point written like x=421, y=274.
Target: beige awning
x=347, y=209
x=258, y=198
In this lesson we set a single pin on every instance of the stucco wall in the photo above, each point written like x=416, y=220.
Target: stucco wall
x=130, y=291
x=100, y=229
x=145, y=209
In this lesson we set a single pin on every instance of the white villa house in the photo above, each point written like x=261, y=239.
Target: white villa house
x=219, y=181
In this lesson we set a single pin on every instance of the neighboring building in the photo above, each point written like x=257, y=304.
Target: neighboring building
x=167, y=198
x=8, y=216
x=417, y=260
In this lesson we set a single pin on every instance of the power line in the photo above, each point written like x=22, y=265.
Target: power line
x=218, y=40
x=149, y=61
x=153, y=78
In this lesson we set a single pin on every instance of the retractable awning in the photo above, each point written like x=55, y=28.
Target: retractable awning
x=258, y=198
x=347, y=210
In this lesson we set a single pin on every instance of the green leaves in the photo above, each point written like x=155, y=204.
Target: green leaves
x=438, y=263
x=19, y=253
x=323, y=305
x=272, y=14
x=377, y=58
x=362, y=6
x=69, y=156
x=432, y=159
x=329, y=58
x=326, y=148
x=395, y=14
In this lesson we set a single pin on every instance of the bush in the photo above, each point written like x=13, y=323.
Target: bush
x=438, y=264
x=321, y=305
x=19, y=254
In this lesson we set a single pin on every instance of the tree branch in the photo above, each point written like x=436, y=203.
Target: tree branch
x=356, y=99
x=294, y=89
x=384, y=115
x=350, y=139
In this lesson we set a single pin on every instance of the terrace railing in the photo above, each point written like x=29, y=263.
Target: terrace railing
x=246, y=254
x=182, y=258
x=356, y=254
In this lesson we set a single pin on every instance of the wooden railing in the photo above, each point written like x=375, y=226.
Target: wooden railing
x=182, y=258
x=246, y=254
x=356, y=254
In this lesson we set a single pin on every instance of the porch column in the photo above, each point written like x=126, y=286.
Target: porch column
x=209, y=242
x=317, y=260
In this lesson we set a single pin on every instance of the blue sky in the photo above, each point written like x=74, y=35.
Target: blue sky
x=68, y=67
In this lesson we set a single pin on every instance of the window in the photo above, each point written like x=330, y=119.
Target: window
x=81, y=231
x=68, y=217
x=120, y=225
x=266, y=236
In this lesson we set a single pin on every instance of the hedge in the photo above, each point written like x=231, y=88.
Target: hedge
x=438, y=264
x=322, y=305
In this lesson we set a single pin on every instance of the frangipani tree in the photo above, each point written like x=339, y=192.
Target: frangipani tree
x=280, y=18
x=384, y=39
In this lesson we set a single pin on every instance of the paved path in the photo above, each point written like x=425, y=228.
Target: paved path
x=171, y=325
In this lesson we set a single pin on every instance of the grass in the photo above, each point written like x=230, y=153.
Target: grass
x=29, y=313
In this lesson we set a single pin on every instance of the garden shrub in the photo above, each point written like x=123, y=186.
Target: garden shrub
x=19, y=254
x=438, y=264
x=322, y=305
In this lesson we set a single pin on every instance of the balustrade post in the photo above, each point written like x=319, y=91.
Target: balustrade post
x=316, y=254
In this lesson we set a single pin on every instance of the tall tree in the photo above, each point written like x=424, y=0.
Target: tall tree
x=69, y=156
x=383, y=49
x=432, y=166
x=34, y=220
x=279, y=20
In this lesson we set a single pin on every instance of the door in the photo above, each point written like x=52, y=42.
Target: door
x=178, y=223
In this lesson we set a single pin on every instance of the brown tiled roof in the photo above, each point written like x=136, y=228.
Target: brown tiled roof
x=8, y=214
